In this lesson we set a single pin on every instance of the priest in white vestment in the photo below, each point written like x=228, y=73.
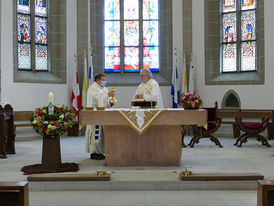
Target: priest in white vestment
x=149, y=89
x=97, y=96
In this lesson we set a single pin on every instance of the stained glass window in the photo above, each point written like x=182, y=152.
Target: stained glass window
x=248, y=25
x=150, y=9
x=248, y=4
x=23, y=26
x=238, y=44
x=229, y=57
x=229, y=5
x=32, y=38
x=24, y=56
x=112, y=9
x=112, y=59
x=23, y=6
x=229, y=28
x=248, y=56
x=137, y=45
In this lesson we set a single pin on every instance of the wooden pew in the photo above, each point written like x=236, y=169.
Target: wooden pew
x=9, y=117
x=247, y=113
x=14, y=194
x=265, y=193
x=22, y=119
x=3, y=138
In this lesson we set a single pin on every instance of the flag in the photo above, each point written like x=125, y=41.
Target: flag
x=85, y=82
x=75, y=94
x=90, y=68
x=174, y=85
x=184, y=78
x=191, y=88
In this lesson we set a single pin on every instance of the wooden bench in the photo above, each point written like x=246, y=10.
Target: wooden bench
x=22, y=119
x=265, y=193
x=14, y=193
x=3, y=137
x=250, y=114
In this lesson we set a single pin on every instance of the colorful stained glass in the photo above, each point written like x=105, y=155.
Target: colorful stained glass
x=229, y=57
x=229, y=5
x=40, y=30
x=112, y=9
x=41, y=7
x=112, y=33
x=24, y=56
x=41, y=57
x=229, y=28
x=248, y=24
x=112, y=59
x=23, y=6
x=150, y=33
x=151, y=58
x=131, y=33
x=131, y=59
x=131, y=9
x=248, y=56
x=23, y=28
x=248, y=4
x=150, y=9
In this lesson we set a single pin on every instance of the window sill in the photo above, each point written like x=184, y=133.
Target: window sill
x=38, y=77
x=246, y=78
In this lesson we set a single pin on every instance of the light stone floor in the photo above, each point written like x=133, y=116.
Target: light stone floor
x=205, y=157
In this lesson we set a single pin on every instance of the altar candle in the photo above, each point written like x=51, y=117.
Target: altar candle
x=101, y=100
x=89, y=99
x=51, y=98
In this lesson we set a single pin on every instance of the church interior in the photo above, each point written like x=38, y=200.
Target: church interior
x=218, y=51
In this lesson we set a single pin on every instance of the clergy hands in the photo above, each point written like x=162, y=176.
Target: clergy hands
x=139, y=96
x=111, y=93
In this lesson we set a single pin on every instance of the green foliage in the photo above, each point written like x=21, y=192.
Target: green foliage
x=52, y=124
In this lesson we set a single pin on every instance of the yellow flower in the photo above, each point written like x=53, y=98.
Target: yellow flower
x=34, y=121
x=61, y=116
x=49, y=126
x=58, y=106
x=45, y=111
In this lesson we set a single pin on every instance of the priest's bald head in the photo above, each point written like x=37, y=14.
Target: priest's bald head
x=145, y=75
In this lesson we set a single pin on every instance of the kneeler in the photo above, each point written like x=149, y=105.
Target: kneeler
x=213, y=124
x=252, y=130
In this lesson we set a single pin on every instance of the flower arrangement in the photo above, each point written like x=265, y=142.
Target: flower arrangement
x=53, y=124
x=191, y=101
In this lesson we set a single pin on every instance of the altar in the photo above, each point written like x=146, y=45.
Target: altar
x=160, y=144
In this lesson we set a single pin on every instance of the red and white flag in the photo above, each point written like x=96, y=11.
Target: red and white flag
x=75, y=95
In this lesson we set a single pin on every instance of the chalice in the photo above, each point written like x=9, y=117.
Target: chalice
x=113, y=100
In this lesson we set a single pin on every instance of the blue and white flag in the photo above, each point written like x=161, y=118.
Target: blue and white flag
x=175, y=92
x=90, y=68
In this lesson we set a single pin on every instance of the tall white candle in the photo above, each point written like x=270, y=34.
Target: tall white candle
x=51, y=98
x=101, y=100
x=89, y=99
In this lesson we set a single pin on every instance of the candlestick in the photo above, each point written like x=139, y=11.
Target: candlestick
x=51, y=98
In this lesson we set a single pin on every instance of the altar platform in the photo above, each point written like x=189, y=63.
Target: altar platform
x=204, y=158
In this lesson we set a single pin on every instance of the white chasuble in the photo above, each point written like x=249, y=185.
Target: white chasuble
x=151, y=92
x=97, y=97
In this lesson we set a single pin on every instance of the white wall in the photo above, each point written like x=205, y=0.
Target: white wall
x=25, y=96
x=257, y=96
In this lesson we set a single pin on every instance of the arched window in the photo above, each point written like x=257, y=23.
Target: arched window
x=238, y=36
x=131, y=35
x=32, y=35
